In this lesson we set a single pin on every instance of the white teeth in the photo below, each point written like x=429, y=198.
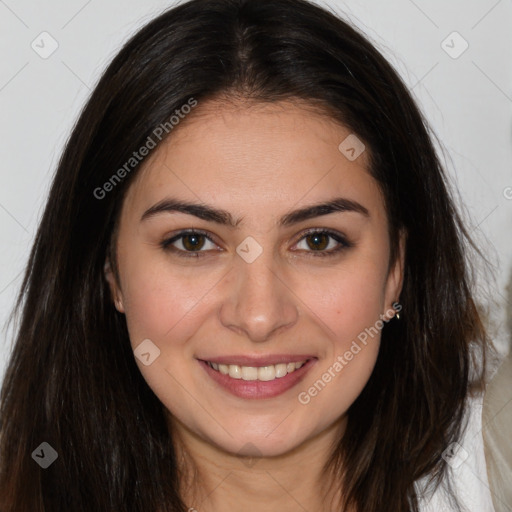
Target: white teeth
x=267, y=373
x=281, y=370
x=235, y=371
x=262, y=373
x=249, y=373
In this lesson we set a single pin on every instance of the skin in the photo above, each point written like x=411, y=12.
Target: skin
x=258, y=162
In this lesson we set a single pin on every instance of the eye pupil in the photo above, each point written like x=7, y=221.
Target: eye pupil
x=322, y=237
x=195, y=243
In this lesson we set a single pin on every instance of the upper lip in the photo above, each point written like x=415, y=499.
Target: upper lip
x=258, y=360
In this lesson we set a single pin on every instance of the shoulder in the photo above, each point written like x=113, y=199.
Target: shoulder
x=497, y=434
x=481, y=462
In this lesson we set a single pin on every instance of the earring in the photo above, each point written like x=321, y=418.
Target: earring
x=397, y=307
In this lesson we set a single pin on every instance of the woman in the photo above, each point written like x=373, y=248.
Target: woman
x=249, y=287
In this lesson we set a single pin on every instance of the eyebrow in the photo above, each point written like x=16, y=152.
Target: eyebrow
x=223, y=217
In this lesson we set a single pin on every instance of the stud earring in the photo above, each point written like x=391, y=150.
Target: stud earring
x=397, y=307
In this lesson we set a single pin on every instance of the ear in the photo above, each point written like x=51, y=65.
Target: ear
x=395, y=277
x=115, y=290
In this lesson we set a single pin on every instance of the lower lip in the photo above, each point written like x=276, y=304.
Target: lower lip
x=257, y=388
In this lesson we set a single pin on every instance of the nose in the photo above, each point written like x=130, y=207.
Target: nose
x=261, y=302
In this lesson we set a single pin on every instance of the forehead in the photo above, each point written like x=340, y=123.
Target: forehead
x=263, y=156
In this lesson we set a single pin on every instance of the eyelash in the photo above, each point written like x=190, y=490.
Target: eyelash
x=344, y=243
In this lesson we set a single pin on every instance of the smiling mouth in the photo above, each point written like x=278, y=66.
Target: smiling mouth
x=261, y=373
x=258, y=382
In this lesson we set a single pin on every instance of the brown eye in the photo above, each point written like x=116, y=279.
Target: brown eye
x=317, y=241
x=193, y=242
x=323, y=243
x=189, y=243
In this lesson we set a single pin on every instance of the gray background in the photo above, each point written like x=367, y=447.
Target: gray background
x=466, y=99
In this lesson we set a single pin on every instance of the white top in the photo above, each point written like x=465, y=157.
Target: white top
x=469, y=473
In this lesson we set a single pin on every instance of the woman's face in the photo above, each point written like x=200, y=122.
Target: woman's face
x=253, y=286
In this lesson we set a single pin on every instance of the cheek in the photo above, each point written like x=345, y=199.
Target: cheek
x=349, y=304
x=159, y=303
x=163, y=306
x=347, y=299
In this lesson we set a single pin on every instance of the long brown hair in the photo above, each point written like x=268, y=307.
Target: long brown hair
x=72, y=381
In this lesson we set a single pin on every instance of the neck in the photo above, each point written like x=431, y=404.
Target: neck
x=215, y=480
